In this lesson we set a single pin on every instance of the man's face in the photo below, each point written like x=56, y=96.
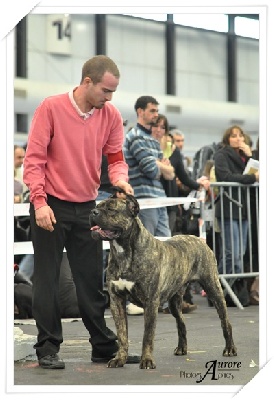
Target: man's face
x=148, y=116
x=98, y=94
x=179, y=141
x=19, y=155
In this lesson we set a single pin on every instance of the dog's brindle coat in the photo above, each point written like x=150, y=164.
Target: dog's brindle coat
x=151, y=272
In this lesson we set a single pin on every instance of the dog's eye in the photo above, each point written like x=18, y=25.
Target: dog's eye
x=111, y=209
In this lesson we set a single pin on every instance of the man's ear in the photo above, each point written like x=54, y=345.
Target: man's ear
x=87, y=80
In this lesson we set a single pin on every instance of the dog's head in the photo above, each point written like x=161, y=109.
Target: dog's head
x=113, y=217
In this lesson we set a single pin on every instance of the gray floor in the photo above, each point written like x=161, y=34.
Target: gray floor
x=205, y=346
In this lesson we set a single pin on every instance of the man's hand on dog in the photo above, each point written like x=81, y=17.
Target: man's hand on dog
x=126, y=187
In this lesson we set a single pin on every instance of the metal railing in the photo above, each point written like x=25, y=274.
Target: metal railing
x=235, y=195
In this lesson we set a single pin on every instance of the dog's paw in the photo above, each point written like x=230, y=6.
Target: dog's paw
x=229, y=352
x=147, y=363
x=179, y=351
x=116, y=363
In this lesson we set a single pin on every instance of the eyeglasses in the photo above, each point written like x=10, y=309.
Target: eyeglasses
x=179, y=140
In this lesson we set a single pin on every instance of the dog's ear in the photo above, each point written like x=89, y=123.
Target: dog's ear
x=132, y=205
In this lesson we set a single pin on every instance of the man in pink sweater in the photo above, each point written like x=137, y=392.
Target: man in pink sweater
x=68, y=134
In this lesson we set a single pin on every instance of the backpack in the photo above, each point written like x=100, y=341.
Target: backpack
x=239, y=288
x=200, y=158
x=22, y=295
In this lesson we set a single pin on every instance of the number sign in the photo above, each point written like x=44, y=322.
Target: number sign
x=59, y=34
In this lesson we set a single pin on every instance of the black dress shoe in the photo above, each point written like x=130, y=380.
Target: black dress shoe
x=131, y=358
x=51, y=361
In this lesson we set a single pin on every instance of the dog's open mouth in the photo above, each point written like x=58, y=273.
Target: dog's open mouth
x=105, y=234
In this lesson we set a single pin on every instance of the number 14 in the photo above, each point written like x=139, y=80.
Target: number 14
x=63, y=28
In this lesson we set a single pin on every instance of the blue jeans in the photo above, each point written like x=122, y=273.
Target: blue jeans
x=236, y=254
x=26, y=266
x=156, y=221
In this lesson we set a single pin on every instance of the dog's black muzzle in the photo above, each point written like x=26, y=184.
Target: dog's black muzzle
x=98, y=232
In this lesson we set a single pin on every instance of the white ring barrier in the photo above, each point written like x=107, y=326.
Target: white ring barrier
x=27, y=247
x=22, y=209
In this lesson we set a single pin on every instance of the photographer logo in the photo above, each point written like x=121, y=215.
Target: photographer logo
x=215, y=370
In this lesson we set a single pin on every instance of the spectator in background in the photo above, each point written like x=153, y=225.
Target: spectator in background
x=179, y=141
x=25, y=262
x=20, y=234
x=160, y=131
x=144, y=157
x=230, y=162
x=19, y=155
x=253, y=283
x=212, y=193
x=18, y=191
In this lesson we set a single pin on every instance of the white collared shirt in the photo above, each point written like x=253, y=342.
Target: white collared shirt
x=83, y=115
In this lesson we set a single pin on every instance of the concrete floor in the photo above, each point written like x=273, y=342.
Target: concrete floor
x=205, y=346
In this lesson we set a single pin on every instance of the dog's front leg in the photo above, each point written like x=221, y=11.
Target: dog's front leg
x=118, y=310
x=150, y=316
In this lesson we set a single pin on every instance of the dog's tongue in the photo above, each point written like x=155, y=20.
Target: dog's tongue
x=95, y=228
x=102, y=233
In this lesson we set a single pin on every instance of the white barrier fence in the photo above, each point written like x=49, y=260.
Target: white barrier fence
x=207, y=217
x=22, y=209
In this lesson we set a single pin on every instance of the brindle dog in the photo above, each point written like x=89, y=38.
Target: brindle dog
x=150, y=272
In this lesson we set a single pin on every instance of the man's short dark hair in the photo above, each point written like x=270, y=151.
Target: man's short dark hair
x=97, y=66
x=143, y=101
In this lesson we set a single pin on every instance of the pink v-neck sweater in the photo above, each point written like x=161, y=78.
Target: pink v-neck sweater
x=64, y=151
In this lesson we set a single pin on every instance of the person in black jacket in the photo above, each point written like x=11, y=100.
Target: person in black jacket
x=160, y=131
x=230, y=162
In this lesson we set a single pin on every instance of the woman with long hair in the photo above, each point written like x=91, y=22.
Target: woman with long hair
x=230, y=162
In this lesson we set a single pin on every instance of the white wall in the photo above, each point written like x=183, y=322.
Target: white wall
x=248, y=71
x=54, y=68
x=201, y=64
x=138, y=47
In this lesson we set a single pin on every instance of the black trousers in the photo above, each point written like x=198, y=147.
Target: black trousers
x=71, y=231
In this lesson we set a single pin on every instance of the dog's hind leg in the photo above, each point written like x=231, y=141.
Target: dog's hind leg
x=175, y=305
x=215, y=294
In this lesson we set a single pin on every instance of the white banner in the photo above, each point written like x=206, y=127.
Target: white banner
x=22, y=209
